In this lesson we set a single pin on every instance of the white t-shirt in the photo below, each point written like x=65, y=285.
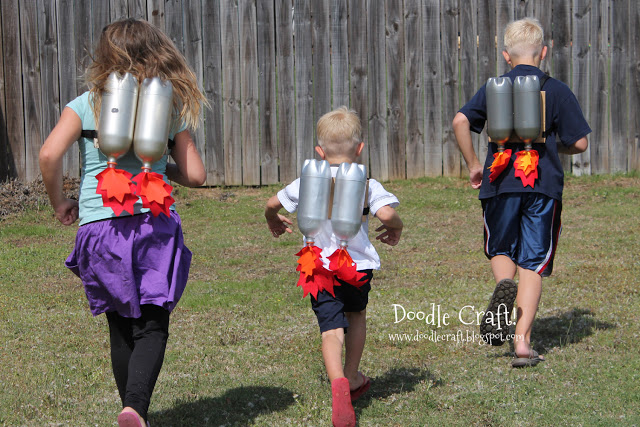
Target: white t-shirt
x=360, y=248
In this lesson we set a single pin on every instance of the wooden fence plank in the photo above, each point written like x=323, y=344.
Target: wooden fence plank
x=634, y=100
x=193, y=54
x=339, y=53
x=321, y=59
x=414, y=87
x=396, y=86
x=82, y=41
x=4, y=139
x=174, y=22
x=488, y=59
x=14, y=113
x=450, y=103
x=67, y=75
x=543, y=11
x=286, y=106
x=469, y=55
x=562, y=51
x=305, y=123
x=581, y=164
x=100, y=17
x=212, y=85
x=267, y=92
x=155, y=12
x=377, y=119
x=249, y=93
x=47, y=40
x=505, y=13
x=118, y=9
x=599, y=90
x=137, y=9
x=32, y=90
x=357, y=29
x=524, y=9
x=230, y=40
x=619, y=85
x=432, y=87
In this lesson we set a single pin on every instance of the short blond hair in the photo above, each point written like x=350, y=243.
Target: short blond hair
x=339, y=131
x=524, y=37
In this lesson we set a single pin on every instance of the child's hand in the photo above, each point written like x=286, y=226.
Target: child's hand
x=67, y=211
x=390, y=236
x=475, y=177
x=277, y=225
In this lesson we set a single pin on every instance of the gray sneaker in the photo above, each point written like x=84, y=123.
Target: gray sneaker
x=495, y=323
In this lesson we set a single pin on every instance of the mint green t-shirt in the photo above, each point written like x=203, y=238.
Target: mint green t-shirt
x=93, y=162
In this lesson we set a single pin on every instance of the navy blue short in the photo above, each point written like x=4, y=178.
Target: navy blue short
x=523, y=226
x=331, y=310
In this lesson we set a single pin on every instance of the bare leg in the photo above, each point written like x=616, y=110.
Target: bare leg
x=529, y=292
x=355, y=340
x=502, y=267
x=332, y=343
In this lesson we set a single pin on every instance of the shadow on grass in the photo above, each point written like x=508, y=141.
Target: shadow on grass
x=237, y=407
x=397, y=380
x=567, y=328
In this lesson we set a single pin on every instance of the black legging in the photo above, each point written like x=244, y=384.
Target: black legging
x=137, y=353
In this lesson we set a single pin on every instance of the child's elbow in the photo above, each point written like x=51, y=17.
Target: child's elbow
x=460, y=121
x=581, y=145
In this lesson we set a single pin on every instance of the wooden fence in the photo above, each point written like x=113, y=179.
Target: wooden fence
x=270, y=68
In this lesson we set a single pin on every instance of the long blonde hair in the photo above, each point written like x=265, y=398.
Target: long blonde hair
x=138, y=47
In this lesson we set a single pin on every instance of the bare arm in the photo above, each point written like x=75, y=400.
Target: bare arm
x=277, y=223
x=189, y=169
x=391, y=225
x=580, y=146
x=462, y=131
x=63, y=135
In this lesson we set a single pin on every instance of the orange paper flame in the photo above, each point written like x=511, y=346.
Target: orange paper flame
x=117, y=190
x=154, y=192
x=500, y=162
x=526, y=167
x=314, y=277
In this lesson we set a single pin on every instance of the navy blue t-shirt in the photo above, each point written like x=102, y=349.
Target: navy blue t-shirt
x=564, y=121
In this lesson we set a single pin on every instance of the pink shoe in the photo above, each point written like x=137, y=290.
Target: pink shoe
x=342, y=410
x=129, y=419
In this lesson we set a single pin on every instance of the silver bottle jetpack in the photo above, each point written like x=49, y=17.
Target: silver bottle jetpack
x=343, y=204
x=138, y=115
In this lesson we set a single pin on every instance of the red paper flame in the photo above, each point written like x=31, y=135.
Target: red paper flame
x=117, y=190
x=526, y=167
x=500, y=162
x=344, y=268
x=154, y=192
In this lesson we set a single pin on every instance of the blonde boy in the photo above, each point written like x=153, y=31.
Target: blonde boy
x=339, y=140
x=522, y=223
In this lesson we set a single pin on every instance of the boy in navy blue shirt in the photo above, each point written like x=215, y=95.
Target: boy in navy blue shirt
x=522, y=223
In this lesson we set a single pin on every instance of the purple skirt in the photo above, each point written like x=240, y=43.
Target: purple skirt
x=129, y=261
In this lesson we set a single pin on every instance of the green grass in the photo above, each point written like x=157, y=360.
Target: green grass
x=244, y=347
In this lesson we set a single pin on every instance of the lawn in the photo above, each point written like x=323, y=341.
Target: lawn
x=244, y=347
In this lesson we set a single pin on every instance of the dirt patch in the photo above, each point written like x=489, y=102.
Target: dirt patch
x=16, y=196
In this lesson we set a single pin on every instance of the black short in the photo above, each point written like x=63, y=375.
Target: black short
x=331, y=310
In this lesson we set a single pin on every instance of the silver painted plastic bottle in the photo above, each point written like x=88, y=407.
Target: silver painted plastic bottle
x=314, y=195
x=499, y=92
x=526, y=108
x=117, y=115
x=153, y=120
x=348, y=201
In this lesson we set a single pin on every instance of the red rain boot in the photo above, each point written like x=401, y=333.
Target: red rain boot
x=342, y=414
